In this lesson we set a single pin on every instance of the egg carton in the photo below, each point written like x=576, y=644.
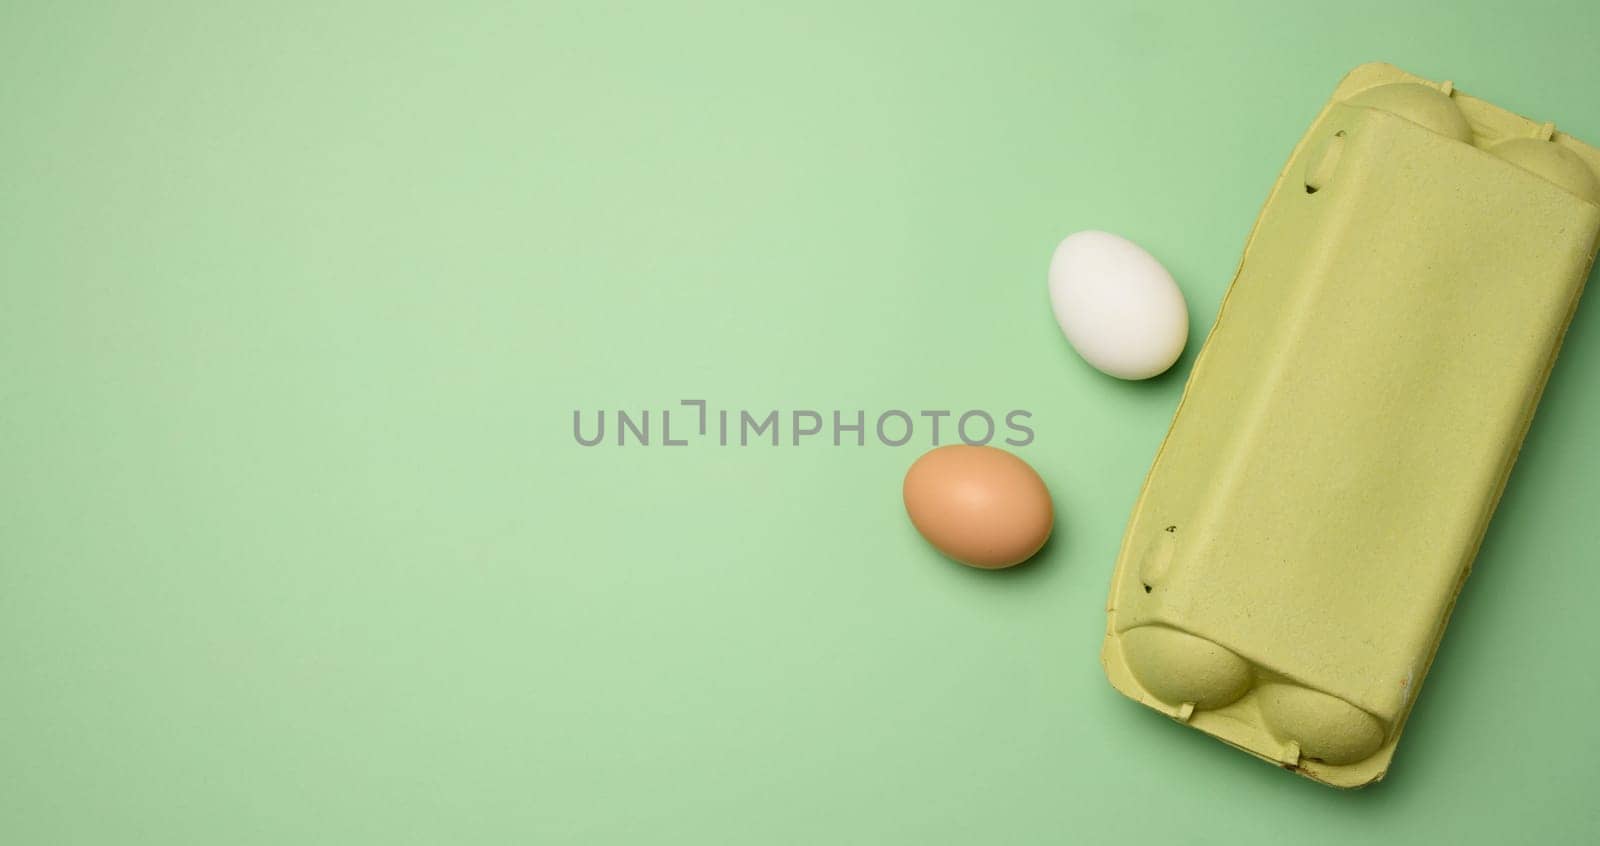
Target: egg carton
x=1349, y=426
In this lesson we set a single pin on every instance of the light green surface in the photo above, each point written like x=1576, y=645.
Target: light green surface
x=295, y=307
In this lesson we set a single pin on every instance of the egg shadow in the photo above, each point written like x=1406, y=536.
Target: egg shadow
x=1037, y=566
x=1179, y=371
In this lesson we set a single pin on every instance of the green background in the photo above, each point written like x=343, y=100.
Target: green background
x=296, y=303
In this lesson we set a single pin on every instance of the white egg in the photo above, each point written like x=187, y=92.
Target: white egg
x=1117, y=305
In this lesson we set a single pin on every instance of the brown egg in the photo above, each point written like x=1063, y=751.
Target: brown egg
x=979, y=505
